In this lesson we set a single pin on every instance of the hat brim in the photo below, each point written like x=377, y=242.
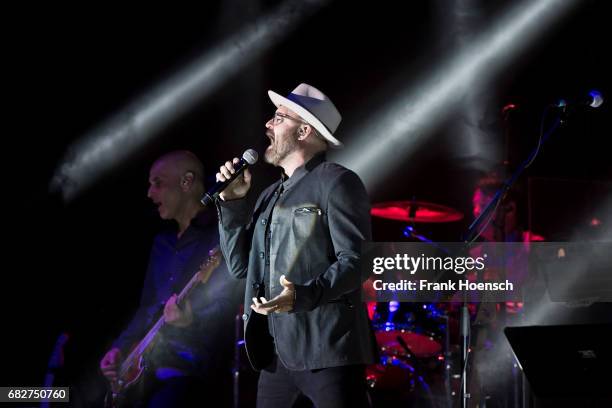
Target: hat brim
x=279, y=100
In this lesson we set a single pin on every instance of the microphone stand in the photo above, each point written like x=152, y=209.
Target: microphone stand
x=237, y=363
x=473, y=232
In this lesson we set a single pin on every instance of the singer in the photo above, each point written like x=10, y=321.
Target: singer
x=298, y=246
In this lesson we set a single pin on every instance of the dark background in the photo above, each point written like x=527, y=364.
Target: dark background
x=78, y=266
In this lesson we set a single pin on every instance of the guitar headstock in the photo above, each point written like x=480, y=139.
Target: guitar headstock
x=210, y=264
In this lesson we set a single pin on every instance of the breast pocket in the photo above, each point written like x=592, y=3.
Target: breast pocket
x=307, y=221
x=308, y=210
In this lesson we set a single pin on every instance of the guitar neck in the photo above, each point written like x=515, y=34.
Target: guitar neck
x=193, y=282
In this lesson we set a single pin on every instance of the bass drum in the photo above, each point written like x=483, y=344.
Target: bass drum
x=395, y=382
x=410, y=338
x=390, y=384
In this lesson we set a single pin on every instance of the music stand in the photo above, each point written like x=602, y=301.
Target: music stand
x=569, y=361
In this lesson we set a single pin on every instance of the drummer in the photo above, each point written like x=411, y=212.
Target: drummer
x=491, y=360
x=506, y=229
x=506, y=226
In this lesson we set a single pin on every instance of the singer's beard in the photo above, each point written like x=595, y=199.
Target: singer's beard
x=280, y=149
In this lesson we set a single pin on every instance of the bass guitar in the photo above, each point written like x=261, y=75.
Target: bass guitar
x=132, y=367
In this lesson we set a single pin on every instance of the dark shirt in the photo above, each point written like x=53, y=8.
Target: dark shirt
x=201, y=346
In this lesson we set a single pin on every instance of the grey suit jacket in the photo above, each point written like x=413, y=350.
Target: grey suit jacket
x=315, y=234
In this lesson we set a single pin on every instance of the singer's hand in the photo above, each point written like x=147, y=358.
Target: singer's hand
x=284, y=302
x=239, y=187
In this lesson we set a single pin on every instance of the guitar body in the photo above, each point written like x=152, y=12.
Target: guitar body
x=128, y=388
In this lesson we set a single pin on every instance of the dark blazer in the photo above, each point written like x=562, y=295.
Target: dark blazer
x=315, y=230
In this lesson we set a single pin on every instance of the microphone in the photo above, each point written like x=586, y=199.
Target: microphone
x=594, y=99
x=249, y=158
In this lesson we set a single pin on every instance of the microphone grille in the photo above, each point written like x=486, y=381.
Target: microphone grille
x=250, y=156
x=596, y=99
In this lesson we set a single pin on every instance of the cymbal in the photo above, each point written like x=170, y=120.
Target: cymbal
x=415, y=211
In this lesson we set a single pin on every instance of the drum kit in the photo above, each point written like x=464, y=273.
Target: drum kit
x=413, y=338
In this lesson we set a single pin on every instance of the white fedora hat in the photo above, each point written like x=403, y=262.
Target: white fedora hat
x=314, y=107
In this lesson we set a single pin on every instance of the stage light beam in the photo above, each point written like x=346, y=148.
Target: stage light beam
x=118, y=138
x=392, y=136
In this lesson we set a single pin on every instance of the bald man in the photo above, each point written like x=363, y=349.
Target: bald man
x=194, y=349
